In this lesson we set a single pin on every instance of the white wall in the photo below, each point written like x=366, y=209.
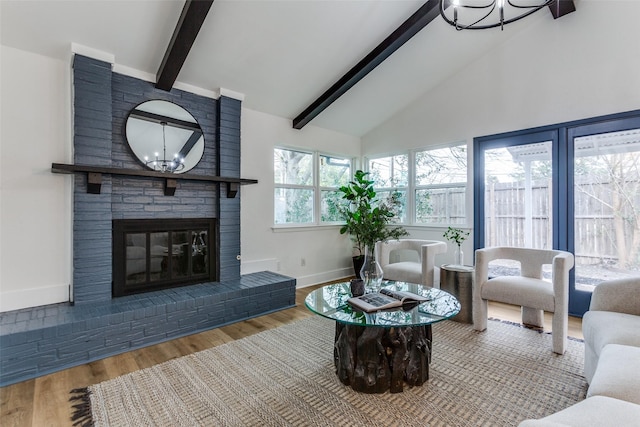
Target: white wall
x=327, y=254
x=582, y=65
x=35, y=205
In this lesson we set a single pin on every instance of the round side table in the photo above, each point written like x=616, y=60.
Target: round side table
x=458, y=281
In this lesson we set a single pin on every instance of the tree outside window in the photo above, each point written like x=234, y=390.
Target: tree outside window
x=334, y=173
x=391, y=175
x=299, y=194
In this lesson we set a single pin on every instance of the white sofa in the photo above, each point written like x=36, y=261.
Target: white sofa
x=613, y=318
x=611, y=330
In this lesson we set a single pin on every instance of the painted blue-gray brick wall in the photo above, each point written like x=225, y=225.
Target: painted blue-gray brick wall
x=143, y=198
x=92, y=264
x=40, y=340
x=103, y=101
x=229, y=112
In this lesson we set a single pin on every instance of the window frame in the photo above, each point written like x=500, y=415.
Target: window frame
x=412, y=187
x=406, y=189
x=416, y=187
x=315, y=187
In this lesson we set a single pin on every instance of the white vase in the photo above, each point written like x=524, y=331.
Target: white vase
x=371, y=272
x=458, y=256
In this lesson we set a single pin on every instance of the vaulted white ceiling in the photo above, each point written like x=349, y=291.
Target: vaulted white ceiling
x=281, y=54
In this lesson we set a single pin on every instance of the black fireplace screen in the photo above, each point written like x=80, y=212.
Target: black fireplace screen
x=154, y=254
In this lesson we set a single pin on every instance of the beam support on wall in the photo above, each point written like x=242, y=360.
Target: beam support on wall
x=193, y=15
x=393, y=42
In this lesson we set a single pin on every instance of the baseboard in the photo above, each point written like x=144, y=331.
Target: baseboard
x=327, y=276
x=34, y=297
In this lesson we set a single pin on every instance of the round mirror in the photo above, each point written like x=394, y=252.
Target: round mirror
x=164, y=137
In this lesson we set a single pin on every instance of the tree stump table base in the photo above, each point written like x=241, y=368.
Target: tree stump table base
x=374, y=359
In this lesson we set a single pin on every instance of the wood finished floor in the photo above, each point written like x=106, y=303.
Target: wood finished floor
x=44, y=401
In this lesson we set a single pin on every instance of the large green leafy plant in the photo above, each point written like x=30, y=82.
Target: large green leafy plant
x=367, y=218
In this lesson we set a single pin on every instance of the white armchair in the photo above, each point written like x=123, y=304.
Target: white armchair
x=410, y=260
x=528, y=290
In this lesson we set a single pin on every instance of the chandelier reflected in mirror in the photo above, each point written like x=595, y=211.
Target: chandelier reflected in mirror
x=173, y=165
x=484, y=14
x=164, y=137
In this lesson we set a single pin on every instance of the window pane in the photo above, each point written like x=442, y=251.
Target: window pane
x=293, y=206
x=401, y=211
x=441, y=205
x=518, y=194
x=442, y=166
x=390, y=172
x=159, y=255
x=179, y=256
x=199, y=258
x=136, y=261
x=607, y=207
x=334, y=171
x=444, y=172
x=292, y=167
x=329, y=204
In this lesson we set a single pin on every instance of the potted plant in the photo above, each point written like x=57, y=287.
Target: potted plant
x=367, y=218
x=457, y=236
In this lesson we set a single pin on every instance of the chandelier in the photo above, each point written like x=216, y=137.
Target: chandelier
x=483, y=14
x=163, y=164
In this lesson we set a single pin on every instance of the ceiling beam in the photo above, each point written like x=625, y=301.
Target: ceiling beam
x=560, y=8
x=393, y=42
x=193, y=15
x=159, y=118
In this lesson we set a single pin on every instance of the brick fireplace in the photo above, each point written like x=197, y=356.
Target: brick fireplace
x=103, y=100
x=94, y=325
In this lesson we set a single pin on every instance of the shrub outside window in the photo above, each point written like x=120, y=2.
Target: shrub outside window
x=334, y=173
x=391, y=174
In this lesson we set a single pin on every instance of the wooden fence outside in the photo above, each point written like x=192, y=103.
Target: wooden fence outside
x=594, y=226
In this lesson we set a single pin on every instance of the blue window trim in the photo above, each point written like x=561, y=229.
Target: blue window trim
x=562, y=136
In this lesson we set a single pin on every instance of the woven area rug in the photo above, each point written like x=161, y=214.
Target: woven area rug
x=285, y=377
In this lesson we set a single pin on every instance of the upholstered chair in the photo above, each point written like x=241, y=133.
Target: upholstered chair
x=527, y=290
x=410, y=260
x=613, y=318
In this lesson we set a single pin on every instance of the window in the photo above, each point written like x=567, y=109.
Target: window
x=431, y=183
x=391, y=174
x=307, y=183
x=440, y=185
x=572, y=186
x=334, y=173
x=294, y=190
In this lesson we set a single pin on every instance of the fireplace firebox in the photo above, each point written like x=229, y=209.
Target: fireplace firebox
x=153, y=254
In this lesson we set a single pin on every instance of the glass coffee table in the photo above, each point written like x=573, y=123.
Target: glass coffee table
x=376, y=352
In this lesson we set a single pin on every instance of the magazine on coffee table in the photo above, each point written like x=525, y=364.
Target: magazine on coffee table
x=384, y=300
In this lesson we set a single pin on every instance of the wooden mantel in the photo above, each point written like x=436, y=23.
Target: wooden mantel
x=94, y=177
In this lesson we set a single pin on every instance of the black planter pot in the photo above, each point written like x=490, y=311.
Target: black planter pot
x=357, y=265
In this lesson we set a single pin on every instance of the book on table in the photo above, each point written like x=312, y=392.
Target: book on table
x=385, y=299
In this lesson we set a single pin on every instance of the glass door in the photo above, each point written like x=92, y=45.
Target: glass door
x=571, y=186
x=515, y=195
x=606, y=206
x=518, y=196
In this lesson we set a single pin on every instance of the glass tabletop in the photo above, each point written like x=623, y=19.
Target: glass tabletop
x=331, y=302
